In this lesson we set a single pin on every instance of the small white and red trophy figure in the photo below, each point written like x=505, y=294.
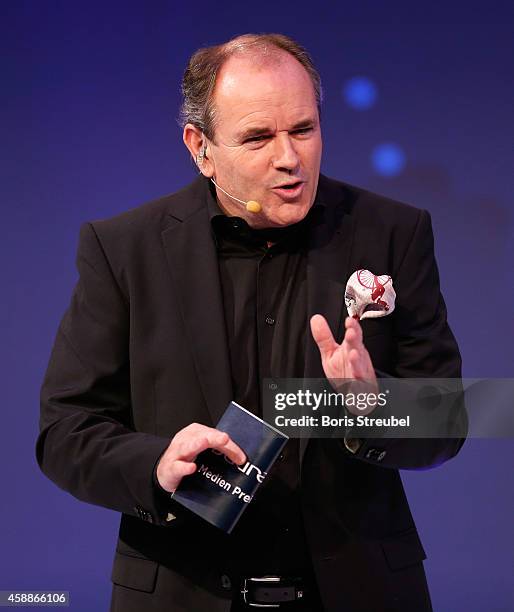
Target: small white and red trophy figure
x=368, y=296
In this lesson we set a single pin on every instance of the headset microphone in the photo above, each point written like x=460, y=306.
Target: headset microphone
x=251, y=206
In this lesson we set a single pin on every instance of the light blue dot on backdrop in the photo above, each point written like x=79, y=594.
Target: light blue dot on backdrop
x=388, y=159
x=360, y=93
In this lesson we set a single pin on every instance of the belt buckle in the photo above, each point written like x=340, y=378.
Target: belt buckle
x=244, y=591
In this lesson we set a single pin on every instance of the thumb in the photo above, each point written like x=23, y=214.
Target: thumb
x=322, y=335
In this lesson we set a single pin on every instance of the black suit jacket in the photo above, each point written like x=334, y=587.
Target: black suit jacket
x=141, y=352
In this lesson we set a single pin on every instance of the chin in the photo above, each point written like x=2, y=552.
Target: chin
x=289, y=214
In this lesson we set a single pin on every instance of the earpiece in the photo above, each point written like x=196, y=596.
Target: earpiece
x=201, y=155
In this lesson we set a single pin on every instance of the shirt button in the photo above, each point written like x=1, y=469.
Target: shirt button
x=281, y=457
x=270, y=320
x=226, y=583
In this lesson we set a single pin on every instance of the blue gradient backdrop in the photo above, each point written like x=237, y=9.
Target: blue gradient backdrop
x=90, y=93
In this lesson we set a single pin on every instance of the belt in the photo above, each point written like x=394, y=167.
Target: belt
x=272, y=591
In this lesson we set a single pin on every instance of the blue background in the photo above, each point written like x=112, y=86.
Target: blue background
x=90, y=94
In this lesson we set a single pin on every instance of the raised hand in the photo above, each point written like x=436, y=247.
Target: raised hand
x=350, y=359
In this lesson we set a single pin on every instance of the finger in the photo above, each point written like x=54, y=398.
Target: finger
x=353, y=330
x=356, y=364
x=220, y=440
x=212, y=438
x=322, y=335
x=232, y=451
x=362, y=368
x=178, y=471
x=183, y=468
x=194, y=439
x=192, y=447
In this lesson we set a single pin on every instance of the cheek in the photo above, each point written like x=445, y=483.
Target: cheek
x=230, y=162
x=313, y=151
x=249, y=168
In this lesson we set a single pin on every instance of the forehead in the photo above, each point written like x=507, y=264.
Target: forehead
x=250, y=90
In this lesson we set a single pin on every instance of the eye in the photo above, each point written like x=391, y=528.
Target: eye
x=304, y=130
x=257, y=138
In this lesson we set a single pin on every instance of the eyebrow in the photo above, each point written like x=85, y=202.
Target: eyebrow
x=261, y=131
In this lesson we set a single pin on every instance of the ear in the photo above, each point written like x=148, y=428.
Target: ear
x=196, y=143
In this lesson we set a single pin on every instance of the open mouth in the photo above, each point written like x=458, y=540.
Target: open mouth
x=290, y=187
x=291, y=192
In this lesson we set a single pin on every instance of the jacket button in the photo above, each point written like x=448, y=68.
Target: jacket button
x=226, y=583
x=143, y=514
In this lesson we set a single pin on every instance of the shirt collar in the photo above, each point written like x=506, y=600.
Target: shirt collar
x=219, y=220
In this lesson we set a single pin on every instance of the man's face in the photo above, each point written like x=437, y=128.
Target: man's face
x=267, y=135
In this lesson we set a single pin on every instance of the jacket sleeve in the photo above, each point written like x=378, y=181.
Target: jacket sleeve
x=425, y=347
x=87, y=443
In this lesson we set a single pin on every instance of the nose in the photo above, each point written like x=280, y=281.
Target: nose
x=285, y=156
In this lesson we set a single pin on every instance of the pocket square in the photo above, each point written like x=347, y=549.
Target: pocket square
x=368, y=296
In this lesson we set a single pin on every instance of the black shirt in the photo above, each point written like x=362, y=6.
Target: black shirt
x=263, y=279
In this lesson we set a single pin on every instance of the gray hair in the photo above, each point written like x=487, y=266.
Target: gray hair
x=204, y=65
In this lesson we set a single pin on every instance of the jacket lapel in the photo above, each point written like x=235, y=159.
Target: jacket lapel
x=328, y=261
x=193, y=263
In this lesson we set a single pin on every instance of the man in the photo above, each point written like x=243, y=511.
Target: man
x=192, y=300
